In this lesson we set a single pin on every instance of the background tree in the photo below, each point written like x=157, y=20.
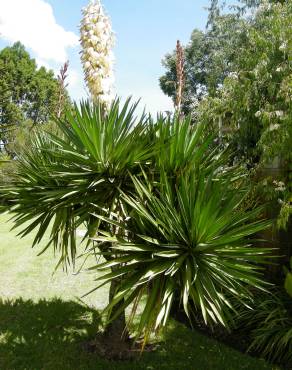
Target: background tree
x=209, y=55
x=208, y=60
x=255, y=98
x=254, y=101
x=238, y=79
x=29, y=95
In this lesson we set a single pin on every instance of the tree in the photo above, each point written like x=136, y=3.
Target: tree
x=254, y=102
x=159, y=204
x=4, y=101
x=210, y=54
x=101, y=148
x=242, y=84
x=255, y=96
x=28, y=94
x=208, y=60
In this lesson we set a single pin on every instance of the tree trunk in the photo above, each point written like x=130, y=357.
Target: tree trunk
x=114, y=343
x=116, y=329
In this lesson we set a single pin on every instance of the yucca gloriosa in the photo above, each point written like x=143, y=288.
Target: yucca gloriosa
x=158, y=201
x=62, y=180
x=192, y=242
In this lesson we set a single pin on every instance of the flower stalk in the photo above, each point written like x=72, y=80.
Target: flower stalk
x=62, y=88
x=97, y=41
x=180, y=76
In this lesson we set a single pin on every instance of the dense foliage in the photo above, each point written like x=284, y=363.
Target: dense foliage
x=238, y=73
x=268, y=326
x=29, y=95
x=255, y=99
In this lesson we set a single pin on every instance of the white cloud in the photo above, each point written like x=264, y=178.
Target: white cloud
x=76, y=84
x=73, y=77
x=33, y=23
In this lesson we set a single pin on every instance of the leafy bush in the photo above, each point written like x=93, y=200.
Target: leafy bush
x=269, y=326
x=6, y=168
x=270, y=323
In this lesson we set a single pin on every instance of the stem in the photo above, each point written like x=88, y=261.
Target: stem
x=117, y=328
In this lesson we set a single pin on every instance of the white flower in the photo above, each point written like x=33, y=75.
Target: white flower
x=283, y=46
x=233, y=75
x=258, y=113
x=279, y=185
x=279, y=113
x=274, y=126
x=97, y=42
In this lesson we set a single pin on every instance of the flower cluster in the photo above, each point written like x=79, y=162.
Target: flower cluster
x=279, y=185
x=97, y=41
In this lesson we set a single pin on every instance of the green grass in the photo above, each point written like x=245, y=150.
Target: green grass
x=28, y=276
x=43, y=325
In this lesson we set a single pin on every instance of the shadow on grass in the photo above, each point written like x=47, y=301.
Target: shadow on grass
x=49, y=335
x=41, y=335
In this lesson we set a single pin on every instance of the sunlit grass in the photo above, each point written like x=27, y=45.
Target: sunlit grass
x=43, y=326
x=29, y=276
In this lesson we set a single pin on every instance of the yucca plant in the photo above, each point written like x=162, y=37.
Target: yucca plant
x=194, y=241
x=62, y=180
x=67, y=176
x=158, y=202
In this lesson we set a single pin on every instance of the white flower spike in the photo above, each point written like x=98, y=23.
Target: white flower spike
x=97, y=41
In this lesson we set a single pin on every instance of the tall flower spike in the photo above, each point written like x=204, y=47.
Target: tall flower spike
x=97, y=41
x=180, y=73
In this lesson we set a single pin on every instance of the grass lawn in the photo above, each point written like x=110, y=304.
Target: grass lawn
x=43, y=325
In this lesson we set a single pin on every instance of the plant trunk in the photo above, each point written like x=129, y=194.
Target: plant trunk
x=114, y=342
x=116, y=329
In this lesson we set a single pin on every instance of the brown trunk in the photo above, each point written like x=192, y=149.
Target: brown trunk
x=116, y=329
x=114, y=343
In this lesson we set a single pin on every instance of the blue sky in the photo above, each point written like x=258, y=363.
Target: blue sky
x=145, y=31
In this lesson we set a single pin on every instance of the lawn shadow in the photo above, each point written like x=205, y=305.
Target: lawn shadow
x=44, y=334
x=50, y=335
